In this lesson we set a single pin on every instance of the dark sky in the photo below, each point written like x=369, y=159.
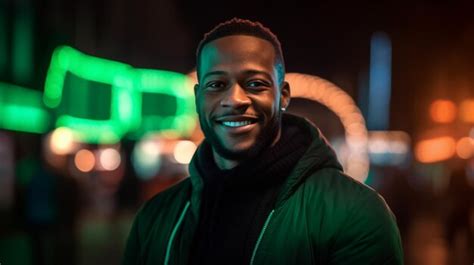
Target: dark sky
x=431, y=40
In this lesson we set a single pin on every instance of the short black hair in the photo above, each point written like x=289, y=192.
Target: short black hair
x=238, y=26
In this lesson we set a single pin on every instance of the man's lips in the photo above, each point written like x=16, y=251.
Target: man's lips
x=237, y=121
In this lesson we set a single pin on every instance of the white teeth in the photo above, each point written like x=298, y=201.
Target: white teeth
x=236, y=123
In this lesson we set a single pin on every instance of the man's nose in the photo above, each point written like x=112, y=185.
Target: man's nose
x=236, y=97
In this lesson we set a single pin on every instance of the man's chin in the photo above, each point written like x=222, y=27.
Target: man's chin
x=264, y=139
x=236, y=154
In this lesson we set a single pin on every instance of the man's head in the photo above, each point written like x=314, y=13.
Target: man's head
x=238, y=26
x=241, y=90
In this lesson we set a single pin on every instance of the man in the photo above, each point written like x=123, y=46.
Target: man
x=264, y=186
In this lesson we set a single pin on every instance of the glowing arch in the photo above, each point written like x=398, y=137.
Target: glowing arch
x=338, y=101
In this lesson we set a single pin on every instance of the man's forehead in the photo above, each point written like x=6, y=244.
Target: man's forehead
x=238, y=49
x=244, y=42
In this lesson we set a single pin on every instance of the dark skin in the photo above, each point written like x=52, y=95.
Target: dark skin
x=239, y=98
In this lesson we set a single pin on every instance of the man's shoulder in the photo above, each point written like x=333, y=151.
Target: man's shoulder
x=334, y=182
x=352, y=213
x=345, y=196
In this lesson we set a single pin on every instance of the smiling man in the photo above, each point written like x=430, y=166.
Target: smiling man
x=264, y=185
x=240, y=96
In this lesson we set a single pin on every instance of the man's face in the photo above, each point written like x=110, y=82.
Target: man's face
x=238, y=98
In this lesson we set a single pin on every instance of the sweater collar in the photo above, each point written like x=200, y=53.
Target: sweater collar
x=267, y=169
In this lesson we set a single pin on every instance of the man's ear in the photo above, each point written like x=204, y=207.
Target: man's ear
x=285, y=95
x=196, y=87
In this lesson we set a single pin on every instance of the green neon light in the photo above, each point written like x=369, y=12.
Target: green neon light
x=183, y=118
x=85, y=99
x=123, y=115
x=128, y=88
x=22, y=46
x=21, y=109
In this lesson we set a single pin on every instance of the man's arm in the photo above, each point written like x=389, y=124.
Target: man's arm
x=368, y=236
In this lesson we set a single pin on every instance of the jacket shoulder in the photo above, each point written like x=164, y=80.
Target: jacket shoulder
x=335, y=185
x=357, y=222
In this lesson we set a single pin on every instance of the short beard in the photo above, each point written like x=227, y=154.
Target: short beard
x=264, y=140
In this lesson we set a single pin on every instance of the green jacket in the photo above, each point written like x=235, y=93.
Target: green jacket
x=321, y=217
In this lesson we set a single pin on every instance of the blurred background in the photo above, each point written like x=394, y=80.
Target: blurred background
x=97, y=113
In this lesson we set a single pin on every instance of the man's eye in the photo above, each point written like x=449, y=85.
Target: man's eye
x=256, y=84
x=215, y=85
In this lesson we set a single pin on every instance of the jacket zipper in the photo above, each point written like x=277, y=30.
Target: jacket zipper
x=265, y=225
x=173, y=234
x=180, y=220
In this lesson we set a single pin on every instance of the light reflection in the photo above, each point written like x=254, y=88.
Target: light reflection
x=62, y=141
x=146, y=158
x=465, y=147
x=466, y=111
x=443, y=111
x=84, y=160
x=109, y=159
x=435, y=150
x=184, y=151
x=389, y=147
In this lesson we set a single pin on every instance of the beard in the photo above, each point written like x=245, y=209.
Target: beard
x=264, y=139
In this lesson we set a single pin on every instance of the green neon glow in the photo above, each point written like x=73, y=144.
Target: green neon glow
x=123, y=115
x=93, y=131
x=85, y=99
x=22, y=46
x=183, y=117
x=128, y=88
x=21, y=109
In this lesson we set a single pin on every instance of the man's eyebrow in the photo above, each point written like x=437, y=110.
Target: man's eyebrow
x=257, y=72
x=246, y=72
x=214, y=73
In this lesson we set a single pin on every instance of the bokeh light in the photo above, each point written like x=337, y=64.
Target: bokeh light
x=84, y=160
x=466, y=111
x=443, y=111
x=109, y=159
x=465, y=147
x=184, y=151
x=389, y=147
x=435, y=150
x=62, y=141
x=146, y=158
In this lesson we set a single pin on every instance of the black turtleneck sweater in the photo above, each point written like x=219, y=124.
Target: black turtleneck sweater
x=235, y=203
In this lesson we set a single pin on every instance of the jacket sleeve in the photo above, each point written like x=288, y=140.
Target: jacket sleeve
x=368, y=235
x=131, y=255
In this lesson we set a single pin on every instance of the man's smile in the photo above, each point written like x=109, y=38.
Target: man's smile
x=237, y=123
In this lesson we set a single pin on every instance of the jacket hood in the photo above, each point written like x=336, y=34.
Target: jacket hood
x=318, y=155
